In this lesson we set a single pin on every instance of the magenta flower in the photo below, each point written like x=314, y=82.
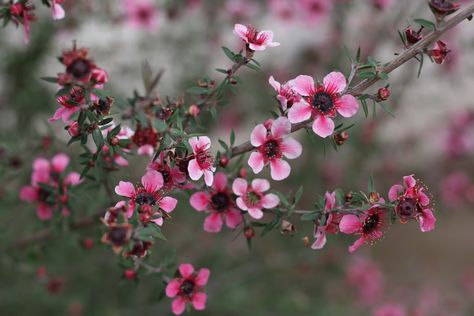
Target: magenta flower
x=413, y=203
x=271, y=146
x=287, y=96
x=57, y=10
x=322, y=102
x=172, y=177
x=251, y=198
x=369, y=225
x=255, y=40
x=124, y=133
x=390, y=309
x=23, y=13
x=141, y=13
x=147, y=196
x=331, y=225
x=188, y=288
x=315, y=10
x=218, y=201
x=69, y=104
x=202, y=162
x=367, y=278
x=50, y=174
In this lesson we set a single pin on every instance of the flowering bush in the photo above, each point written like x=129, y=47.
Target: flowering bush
x=163, y=156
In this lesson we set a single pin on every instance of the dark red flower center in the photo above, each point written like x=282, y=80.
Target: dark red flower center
x=187, y=287
x=145, y=198
x=371, y=223
x=144, y=13
x=271, y=149
x=145, y=136
x=220, y=201
x=322, y=101
x=79, y=68
x=43, y=195
x=407, y=207
x=166, y=176
x=117, y=235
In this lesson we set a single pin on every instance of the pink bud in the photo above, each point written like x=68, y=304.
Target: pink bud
x=99, y=75
x=194, y=110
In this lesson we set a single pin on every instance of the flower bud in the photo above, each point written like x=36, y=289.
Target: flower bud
x=224, y=161
x=73, y=129
x=87, y=243
x=287, y=227
x=194, y=110
x=114, y=141
x=130, y=274
x=374, y=197
x=442, y=8
x=340, y=138
x=412, y=36
x=99, y=75
x=249, y=232
x=384, y=93
x=243, y=172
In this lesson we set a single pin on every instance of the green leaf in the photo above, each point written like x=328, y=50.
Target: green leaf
x=310, y=216
x=98, y=138
x=150, y=232
x=106, y=121
x=387, y=109
x=232, y=138
x=366, y=75
x=422, y=57
x=114, y=132
x=382, y=75
x=426, y=24
x=224, y=145
x=198, y=90
x=228, y=53
x=298, y=194
x=253, y=67
x=224, y=71
x=50, y=79
x=371, y=184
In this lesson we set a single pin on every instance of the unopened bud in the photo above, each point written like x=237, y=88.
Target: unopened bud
x=340, y=138
x=384, y=93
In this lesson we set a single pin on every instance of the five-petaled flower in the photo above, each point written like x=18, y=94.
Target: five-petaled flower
x=331, y=223
x=251, y=197
x=321, y=102
x=287, y=96
x=369, y=225
x=218, y=201
x=147, y=196
x=413, y=203
x=255, y=40
x=202, y=162
x=188, y=288
x=271, y=146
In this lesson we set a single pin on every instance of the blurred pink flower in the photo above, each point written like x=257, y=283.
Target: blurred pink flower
x=251, y=198
x=320, y=102
x=390, y=309
x=241, y=9
x=315, y=10
x=454, y=188
x=284, y=9
x=202, y=162
x=331, y=225
x=367, y=277
x=57, y=10
x=141, y=13
x=255, y=40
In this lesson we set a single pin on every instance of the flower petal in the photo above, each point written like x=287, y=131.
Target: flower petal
x=270, y=201
x=241, y=204
x=145, y=150
x=194, y=171
x=335, y=82
x=323, y=126
x=299, y=112
x=241, y=31
x=213, y=223
x=304, y=85
x=172, y=289
x=395, y=191
x=280, y=169
x=152, y=181
x=350, y=224
x=200, y=201
x=255, y=213
x=29, y=194
x=256, y=162
x=59, y=162
x=57, y=11
x=233, y=219
x=427, y=220
x=220, y=181
x=168, y=204
x=410, y=181
x=275, y=84
x=44, y=212
x=347, y=105
x=125, y=188
x=281, y=127
x=260, y=185
x=73, y=178
x=202, y=277
x=208, y=177
x=186, y=269
x=199, y=301
x=239, y=186
x=178, y=305
x=320, y=239
x=291, y=148
x=258, y=135
x=359, y=242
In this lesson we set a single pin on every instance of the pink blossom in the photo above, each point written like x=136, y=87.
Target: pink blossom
x=390, y=309
x=331, y=225
x=367, y=277
x=285, y=9
x=369, y=226
x=69, y=104
x=202, y=162
x=287, y=96
x=147, y=196
x=141, y=13
x=117, y=158
x=73, y=129
x=382, y=4
x=188, y=288
x=171, y=174
x=240, y=9
x=315, y=10
x=272, y=145
x=251, y=198
x=322, y=102
x=454, y=188
x=57, y=10
x=218, y=201
x=413, y=203
x=22, y=13
x=255, y=40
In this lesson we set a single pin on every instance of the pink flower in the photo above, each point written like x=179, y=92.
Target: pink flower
x=331, y=225
x=287, y=96
x=382, y=4
x=322, y=102
x=99, y=75
x=141, y=13
x=171, y=175
x=271, y=146
x=188, y=288
x=439, y=52
x=367, y=278
x=413, y=203
x=57, y=10
x=202, y=162
x=369, y=226
x=315, y=10
x=73, y=129
x=284, y=9
x=147, y=196
x=218, y=201
x=70, y=103
x=390, y=309
x=22, y=13
x=255, y=40
x=251, y=198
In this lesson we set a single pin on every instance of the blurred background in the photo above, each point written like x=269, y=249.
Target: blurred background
x=431, y=135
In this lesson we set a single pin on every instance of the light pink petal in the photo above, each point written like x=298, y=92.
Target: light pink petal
x=168, y=204
x=275, y=84
x=186, y=269
x=270, y=201
x=257, y=47
x=125, y=188
x=199, y=301
x=291, y=148
x=120, y=161
x=323, y=126
x=57, y=11
x=241, y=31
x=158, y=221
x=239, y=187
x=59, y=162
x=260, y=185
x=200, y=201
x=350, y=224
x=330, y=200
x=172, y=289
x=213, y=223
x=44, y=212
x=194, y=143
x=152, y=181
x=256, y=162
x=359, y=242
x=145, y=150
x=283, y=102
x=194, y=171
x=281, y=127
x=178, y=305
x=28, y=194
x=41, y=164
x=347, y=105
x=258, y=135
x=280, y=169
x=204, y=142
x=395, y=191
x=220, y=181
x=255, y=213
x=241, y=204
x=303, y=85
x=267, y=35
x=427, y=220
x=299, y=112
x=73, y=178
x=410, y=181
x=335, y=81
x=423, y=198
x=202, y=277
x=233, y=219
x=208, y=177
x=57, y=114
x=320, y=239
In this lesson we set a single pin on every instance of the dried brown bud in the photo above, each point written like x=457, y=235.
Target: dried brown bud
x=374, y=197
x=287, y=227
x=340, y=138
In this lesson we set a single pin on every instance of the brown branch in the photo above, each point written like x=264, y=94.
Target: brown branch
x=407, y=55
